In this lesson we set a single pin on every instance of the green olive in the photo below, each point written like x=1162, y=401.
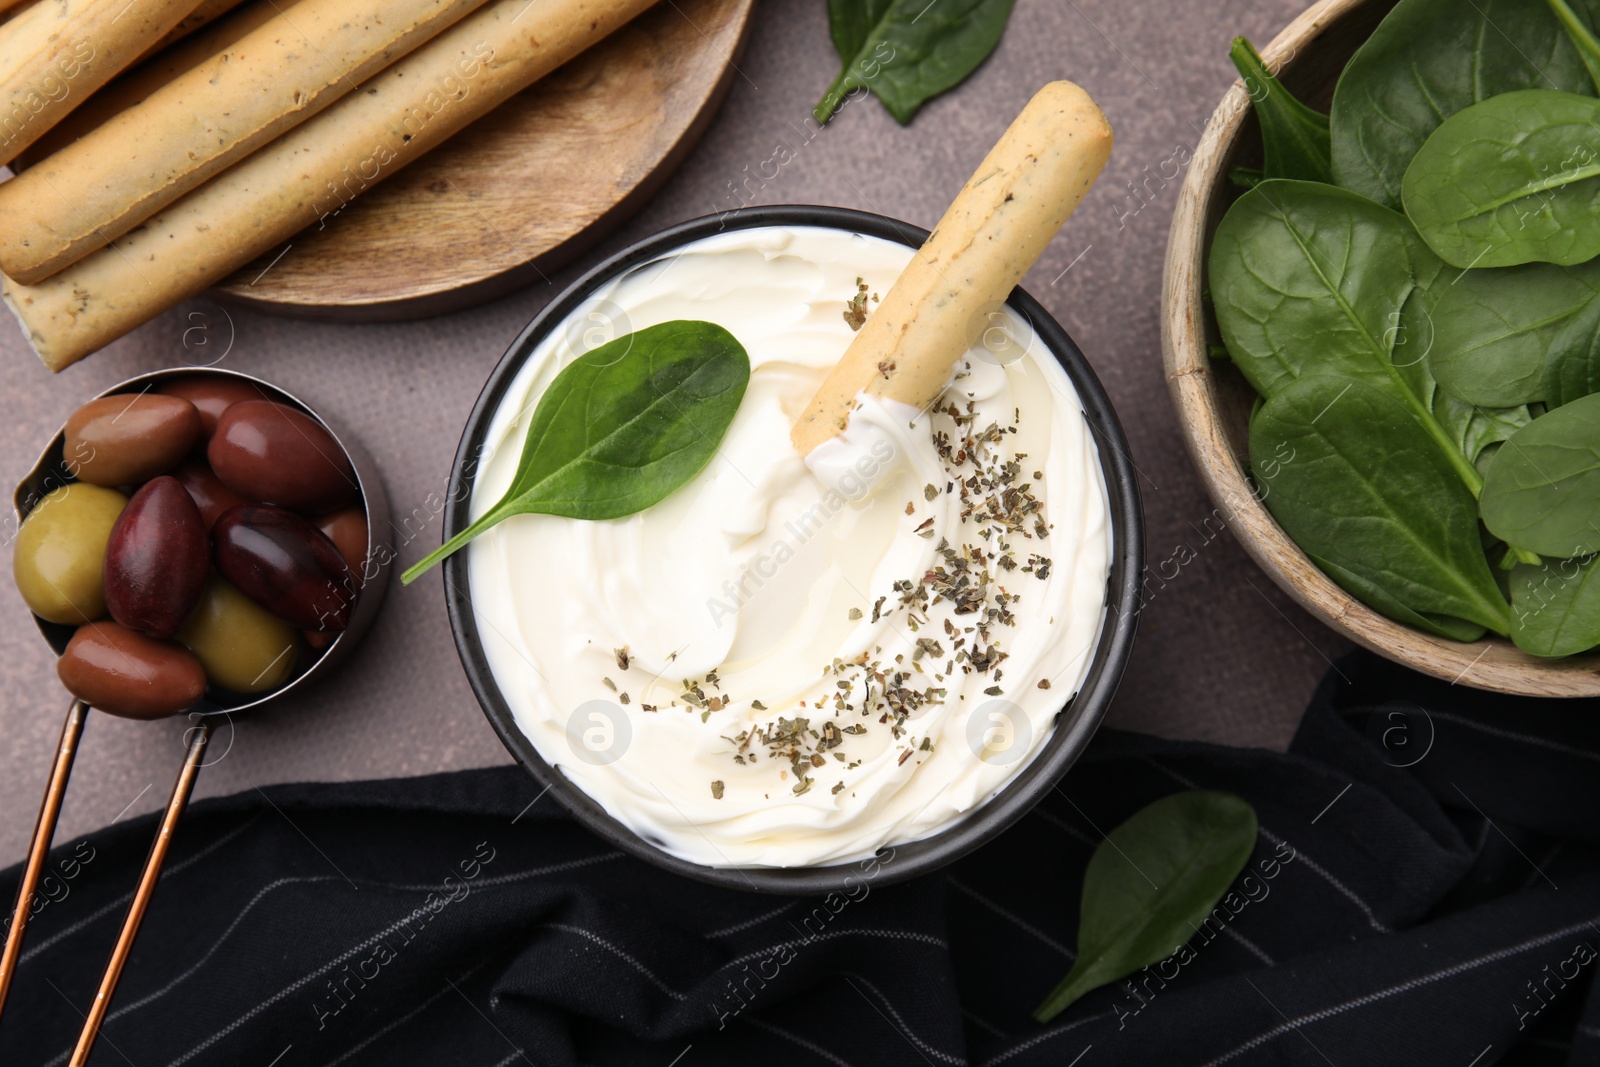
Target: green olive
x=60, y=550
x=242, y=645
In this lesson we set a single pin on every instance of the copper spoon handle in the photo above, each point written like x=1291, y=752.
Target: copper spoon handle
x=43, y=832
x=141, y=896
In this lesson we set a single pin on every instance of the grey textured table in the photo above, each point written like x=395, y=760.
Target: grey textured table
x=1221, y=656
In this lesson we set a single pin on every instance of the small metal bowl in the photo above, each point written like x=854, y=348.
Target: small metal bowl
x=50, y=473
x=1075, y=723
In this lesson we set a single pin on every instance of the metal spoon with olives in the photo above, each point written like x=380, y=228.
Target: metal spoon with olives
x=192, y=541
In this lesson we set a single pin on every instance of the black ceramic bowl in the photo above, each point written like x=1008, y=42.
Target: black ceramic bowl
x=1076, y=722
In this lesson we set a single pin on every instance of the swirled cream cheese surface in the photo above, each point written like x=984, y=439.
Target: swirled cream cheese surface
x=796, y=661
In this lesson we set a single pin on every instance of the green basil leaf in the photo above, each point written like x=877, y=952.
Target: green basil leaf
x=1309, y=279
x=1151, y=883
x=1515, y=179
x=622, y=427
x=1555, y=608
x=909, y=51
x=1294, y=138
x=1366, y=489
x=1541, y=490
x=1426, y=61
x=1518, y=335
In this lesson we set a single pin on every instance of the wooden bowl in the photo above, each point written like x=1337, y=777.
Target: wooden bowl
x=1213, y=399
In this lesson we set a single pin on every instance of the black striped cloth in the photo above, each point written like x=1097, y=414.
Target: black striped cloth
x=1426, y=890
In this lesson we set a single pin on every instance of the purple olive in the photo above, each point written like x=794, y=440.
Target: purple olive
x=285, y=564
x=210, y=495
x=280, y=455
x=157, y=559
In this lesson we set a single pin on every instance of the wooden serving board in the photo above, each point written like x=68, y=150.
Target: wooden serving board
x=522, y=190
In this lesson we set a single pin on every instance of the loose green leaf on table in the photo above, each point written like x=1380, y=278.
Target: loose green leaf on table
x=1151, y=883
x=1514, y=179
x=1294, y=138
x=1429, y=59
x=1369, y=492
x=1308, y=279
x=909, y=51
x=1518, y=335
x=1541, y=490
x=1555, y=608
x=622, y=427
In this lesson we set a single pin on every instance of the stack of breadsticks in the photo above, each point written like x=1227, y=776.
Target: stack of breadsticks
x=154, y=160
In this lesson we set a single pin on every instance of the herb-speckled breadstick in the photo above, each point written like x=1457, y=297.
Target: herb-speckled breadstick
x=208, y=12
x=991, y=234
x=53, y=55
x=309, y=172
x=133, y=85
x=113, y=178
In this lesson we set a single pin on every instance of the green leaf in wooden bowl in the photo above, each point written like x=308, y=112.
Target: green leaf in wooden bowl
x=1515, y=179
x=1541, y=490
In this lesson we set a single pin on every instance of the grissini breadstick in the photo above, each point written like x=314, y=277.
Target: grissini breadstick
x=208, y=12
x=309, y=173
x=54, y=54
x=132, y=86
x=113, y=178
x=991, y=234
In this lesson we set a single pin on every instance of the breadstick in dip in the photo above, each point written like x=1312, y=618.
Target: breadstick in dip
x=113, y=178
x=991, y=234
x=54, y=54
x=309, y=173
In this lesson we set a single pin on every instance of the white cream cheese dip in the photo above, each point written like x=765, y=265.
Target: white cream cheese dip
x=790, y=662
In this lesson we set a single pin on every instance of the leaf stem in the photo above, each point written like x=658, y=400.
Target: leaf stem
x=1469, y=474
x=450, y=547
x=1294, y=138
x=832, y=99
x=1582, y=38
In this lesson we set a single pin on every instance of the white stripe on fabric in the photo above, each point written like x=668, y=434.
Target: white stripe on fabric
x=1039, y=1039
x=1249, y=946
x=1300, y=856
x=407, y=1017
x=302, y=879
x=748, y=923
x=305, y=980
x=1065, y=827
x=895, y=935
x=119, y=903
x=1016, y=920
x=621, y=954
x=1394, y=990
x=796, y=1038
x=983, y=1024
x=1327, y=875
x=1512, y=735
x=905, y=1028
